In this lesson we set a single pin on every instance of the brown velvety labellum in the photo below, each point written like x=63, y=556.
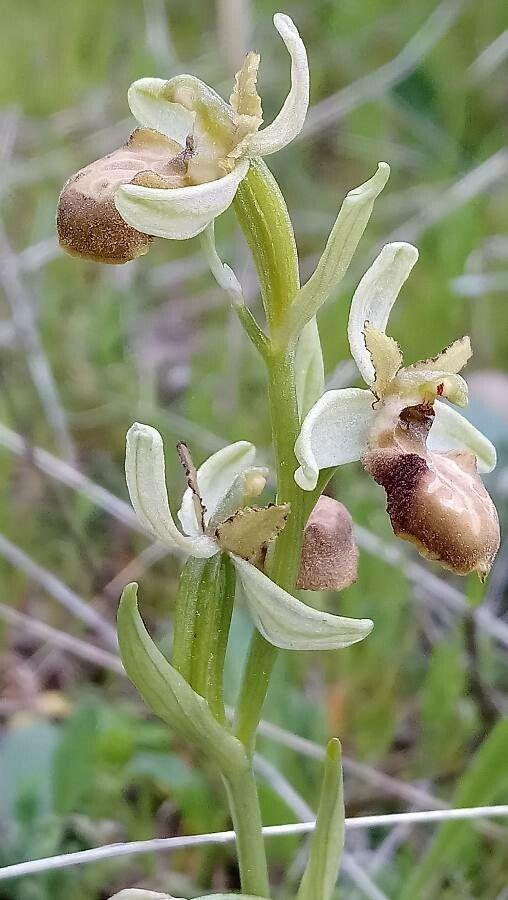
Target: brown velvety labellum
x=436, y=500
x=87, y=221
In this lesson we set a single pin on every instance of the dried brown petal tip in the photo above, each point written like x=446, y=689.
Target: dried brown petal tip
x=87, y=221
x=329, y=558
x=437, y=501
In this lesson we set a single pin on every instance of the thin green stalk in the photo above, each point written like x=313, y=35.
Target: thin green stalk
x=246, y=815
x=265, y=221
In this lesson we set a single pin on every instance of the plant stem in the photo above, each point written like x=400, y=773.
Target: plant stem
x=265, y=221
x=246, y=815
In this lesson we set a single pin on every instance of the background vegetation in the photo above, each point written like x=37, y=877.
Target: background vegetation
x=85, y=350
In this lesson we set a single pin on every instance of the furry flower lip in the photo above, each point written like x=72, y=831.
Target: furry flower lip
x=424, y=453
x=182, y=167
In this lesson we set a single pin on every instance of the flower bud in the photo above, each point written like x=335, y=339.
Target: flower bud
x=435, y=500
x=329, y=558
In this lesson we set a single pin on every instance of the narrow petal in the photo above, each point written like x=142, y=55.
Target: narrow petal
x=289, y=121
x=290, y=624
x=451, y=359
x=374, y=298
x=215, y=478
x=334, y=432
x=180, y=213
x=149, y=104
x=146, y=481
x=451, y=431
x=386, y=358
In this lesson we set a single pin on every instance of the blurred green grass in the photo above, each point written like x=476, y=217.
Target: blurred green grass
x=155, y=341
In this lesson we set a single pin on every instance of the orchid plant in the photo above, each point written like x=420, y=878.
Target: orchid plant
x=192, y=157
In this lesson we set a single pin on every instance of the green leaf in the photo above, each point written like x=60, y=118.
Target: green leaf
x=344, y=238
x=26, y=763
x=485, y=779
x=73, y=766
x=321, y=873
x=167, y=693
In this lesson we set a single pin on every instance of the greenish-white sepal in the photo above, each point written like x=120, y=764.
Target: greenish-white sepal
x=309, y=368
x=248, y=484
x=333, y=433
x=229, y=897
x=290, y=624
x=215, y=478
x=178, y=213
x=289, y=122
x=452, y=431
x=147, y=99
x=374, y=298
x=140, y=894
x=344, y=238
x=167, y=694
x=146, y=481
x=320, y=876
x=223, y=274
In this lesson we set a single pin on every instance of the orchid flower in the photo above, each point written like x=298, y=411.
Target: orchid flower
x=181, y=168
x=215, y=518
x=423, y=452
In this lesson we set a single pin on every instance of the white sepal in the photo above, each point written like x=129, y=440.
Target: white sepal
x=374, y=298
x=146, y=481
x=334, y=432
x=309, y=368
x=178, y=213
x=215, y=478
x=290, y=624
x=140, y=894
x=149, y=105
x=289, y=121
x=452, y=431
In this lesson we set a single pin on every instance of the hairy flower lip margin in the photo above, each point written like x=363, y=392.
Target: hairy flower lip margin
x=117, y=224
x=284, y=621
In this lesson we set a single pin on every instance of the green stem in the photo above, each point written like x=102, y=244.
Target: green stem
x=246, y=815
x=265, y=221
